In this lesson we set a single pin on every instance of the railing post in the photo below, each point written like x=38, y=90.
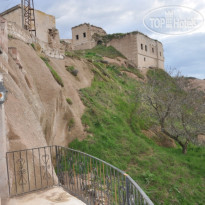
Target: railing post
x=127, y=189
x=57, y=164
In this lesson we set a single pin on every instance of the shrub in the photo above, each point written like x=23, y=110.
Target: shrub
x=10, y=36
x=72, y=70
x=71, y=124
x=69, y=101
x=53, y=72
x=33, y=46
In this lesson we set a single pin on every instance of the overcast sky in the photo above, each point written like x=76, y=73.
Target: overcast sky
x=185, y=52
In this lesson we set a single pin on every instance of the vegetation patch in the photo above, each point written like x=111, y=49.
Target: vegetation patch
x=33, y=46
x=113, y=115
x=105, y=51
x=53, y=72
x=71, y=124
x=69, y=101
x=72, y=70
x=10, y=36
x=72, y=54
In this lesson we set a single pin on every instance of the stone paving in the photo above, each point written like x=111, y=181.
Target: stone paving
x=51, y=196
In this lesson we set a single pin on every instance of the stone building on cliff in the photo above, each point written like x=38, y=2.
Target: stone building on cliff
x=82, y=36
x=47, y=36
x=143, y=51
x=45, y=24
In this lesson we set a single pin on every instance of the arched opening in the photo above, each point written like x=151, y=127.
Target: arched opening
x=99, y=42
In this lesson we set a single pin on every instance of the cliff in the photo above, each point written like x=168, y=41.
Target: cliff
x=37, y=112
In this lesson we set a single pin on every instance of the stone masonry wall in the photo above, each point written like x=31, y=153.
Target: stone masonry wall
x=127, y=45
x=150, y=52
x=44, y=22
x=142, y=50
x=17, y=32
x=82, y=36
x=54, y=38
x=97, y=30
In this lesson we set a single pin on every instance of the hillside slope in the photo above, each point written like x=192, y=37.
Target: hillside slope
x=99, y=107
x=117, y=126
x=36, y=110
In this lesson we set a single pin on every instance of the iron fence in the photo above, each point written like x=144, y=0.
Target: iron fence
x=92, y=180
x=95, y=181
x=31, y=169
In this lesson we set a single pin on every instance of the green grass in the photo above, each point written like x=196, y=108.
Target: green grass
x=113, y=119
x=135, y=71
x=53, y=72
x=95, y=53
x=109, y=51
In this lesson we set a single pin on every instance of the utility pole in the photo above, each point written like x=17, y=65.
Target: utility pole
x=3, y=143
x=28, y=16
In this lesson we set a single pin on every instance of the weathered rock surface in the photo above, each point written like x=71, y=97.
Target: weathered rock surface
x=36, y=109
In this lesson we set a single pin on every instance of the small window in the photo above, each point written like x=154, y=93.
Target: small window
x=142, y=46
x=84, y=35
x=145, y=47
x=152, y=50
x=160, y=53
x=144, y=59
x=77, y=37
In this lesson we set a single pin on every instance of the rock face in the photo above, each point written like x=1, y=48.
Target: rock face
x=36, y=109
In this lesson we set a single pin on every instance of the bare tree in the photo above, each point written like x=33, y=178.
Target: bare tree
x=178, y=108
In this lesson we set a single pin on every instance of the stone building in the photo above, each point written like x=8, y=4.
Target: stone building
x=45, y=23
x=143, y=51
x=3, y=39
x=140, y=49
x=83, y=36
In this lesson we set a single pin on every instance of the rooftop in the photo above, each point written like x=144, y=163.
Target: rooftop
x=10, y=10
x=86, y=24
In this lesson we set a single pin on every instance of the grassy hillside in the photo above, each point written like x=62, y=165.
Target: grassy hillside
x=114, y=124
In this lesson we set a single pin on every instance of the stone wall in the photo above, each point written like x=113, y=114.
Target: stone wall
x=3, y=39
x=17, y=32
x=54, y=38
x=127, y=45
x=97, y=30
x=44, y=22
x=14, y=15
x=150, y=52
x=142, y=50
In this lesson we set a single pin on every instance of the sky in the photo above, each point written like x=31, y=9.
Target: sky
x=184, y=52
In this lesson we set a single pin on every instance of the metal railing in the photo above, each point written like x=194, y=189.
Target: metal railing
x=31, y=170
x=92, y=180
